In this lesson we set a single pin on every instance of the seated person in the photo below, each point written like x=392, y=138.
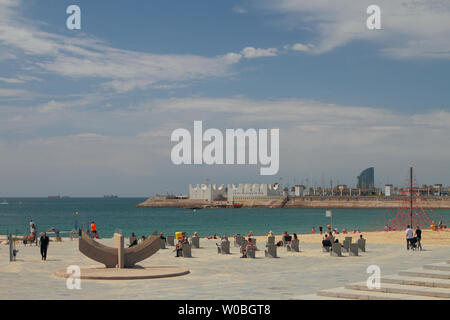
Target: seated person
x=133, y=240
x=224, y=239
x=179, y=248
x=161, y=236
x=28, y=239
x=244, y=252
x=326, y=242
x=287, y=238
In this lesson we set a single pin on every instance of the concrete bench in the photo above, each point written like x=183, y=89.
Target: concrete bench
x=271, y=251
x=353, y=249
x=362, y=244
x=195, y=242
x=251, y=251
x=73, y=234
x=224, y=247
x=186, y=252
x=336, y=250
x=170, y=240
x=238, y=241
x=346, y=244
x=163, y=243
x=293, y=246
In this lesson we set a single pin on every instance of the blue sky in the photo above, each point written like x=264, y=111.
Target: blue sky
x=90, y=111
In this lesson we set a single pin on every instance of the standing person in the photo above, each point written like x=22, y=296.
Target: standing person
x=329, y=228
x=320, y=229
x=313, y=230
x=43, y=244
x=33, y=228
x=94, y=229
x=33, y=231
x=419, y=237
x=409, y=236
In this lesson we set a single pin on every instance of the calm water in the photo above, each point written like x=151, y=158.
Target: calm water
x=121, y=213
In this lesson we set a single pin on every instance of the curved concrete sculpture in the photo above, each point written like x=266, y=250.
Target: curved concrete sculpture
x=119, y=256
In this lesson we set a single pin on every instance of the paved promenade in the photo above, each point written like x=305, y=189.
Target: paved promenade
x=212, y=276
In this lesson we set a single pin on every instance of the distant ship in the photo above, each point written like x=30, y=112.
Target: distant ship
x=110, y=196
x=54, y=197
x=4, y=202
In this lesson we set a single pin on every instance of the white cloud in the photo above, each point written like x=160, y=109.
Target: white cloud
x=410, y=29
x=239, y=10
x=301, y=47
x=314, y=137
x=13, y=93
x=250, y=52
x=87, y=57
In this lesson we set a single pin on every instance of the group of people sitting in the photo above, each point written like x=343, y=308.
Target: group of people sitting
x=251, y=241
x=335, y=230
x=181, y=242
x=327, y=240
x=286, y=238
x=134, y=240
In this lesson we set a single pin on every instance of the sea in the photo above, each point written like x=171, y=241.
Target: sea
x=121, y=214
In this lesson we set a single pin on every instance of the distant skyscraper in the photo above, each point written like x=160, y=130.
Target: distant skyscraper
x=366, y=179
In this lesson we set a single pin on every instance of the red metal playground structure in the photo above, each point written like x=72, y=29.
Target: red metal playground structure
x=410, y=213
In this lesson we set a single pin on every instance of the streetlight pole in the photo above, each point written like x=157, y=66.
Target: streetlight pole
x=411, y=196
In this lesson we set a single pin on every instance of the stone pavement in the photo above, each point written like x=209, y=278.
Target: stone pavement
x=212, y=276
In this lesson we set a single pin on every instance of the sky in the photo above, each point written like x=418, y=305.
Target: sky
x=90, y=112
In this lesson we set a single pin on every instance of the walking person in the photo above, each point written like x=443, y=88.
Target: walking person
x=43, y=244
x=409, y=236
x=320, y=229
x=419, y=237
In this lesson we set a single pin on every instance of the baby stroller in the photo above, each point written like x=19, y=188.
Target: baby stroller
x=413, y=243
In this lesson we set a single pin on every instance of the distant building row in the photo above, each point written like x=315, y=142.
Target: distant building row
x=236, y=193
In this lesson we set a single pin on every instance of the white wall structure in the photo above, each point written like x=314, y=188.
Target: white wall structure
x=254, y=191
x=210, y=192
x=388, y=190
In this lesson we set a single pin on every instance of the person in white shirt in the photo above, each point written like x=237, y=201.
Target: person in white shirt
x=409, y=236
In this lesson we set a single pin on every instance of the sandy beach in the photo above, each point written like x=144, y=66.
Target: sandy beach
x=438, y=238
x=216, y=276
